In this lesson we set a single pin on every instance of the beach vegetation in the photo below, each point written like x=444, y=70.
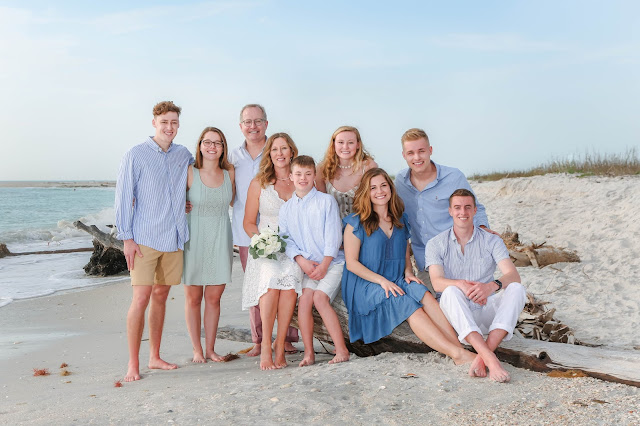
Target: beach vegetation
x=41, y=372
x=582, y=165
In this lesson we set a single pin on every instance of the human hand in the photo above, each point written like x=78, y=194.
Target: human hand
x=130, y=251
x=408, y=277
x=479, y=292
x=388, y=286
x=188, y=207
x=307, y=266
x=319, y=272
x=484, y=228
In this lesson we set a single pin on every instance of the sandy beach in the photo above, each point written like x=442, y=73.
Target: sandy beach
x=86, y=329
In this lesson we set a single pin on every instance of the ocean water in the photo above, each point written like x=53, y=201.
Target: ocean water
x=40, y=219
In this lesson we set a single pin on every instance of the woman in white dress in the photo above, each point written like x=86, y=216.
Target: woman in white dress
x=340, y=171
x=274, y=285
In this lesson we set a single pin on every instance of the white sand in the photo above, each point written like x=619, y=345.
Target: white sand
x=87, y=330
x=598, y=217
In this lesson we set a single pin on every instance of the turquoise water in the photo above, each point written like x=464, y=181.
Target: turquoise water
x=28, y=214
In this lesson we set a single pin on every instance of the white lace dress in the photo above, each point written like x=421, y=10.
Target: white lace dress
x=263, y=274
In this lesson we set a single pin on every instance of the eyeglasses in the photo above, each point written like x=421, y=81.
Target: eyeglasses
x=258, y=122
x=207, y=143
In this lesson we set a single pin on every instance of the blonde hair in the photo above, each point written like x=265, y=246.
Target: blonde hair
x=267, y=172
x=329, y=163
x=413, y=135
x=260, y=107
x=362, y=202
x=223, y=162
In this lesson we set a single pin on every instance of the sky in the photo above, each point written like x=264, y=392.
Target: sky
x=496, y=85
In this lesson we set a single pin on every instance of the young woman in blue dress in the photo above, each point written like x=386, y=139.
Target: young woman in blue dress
x=379, y=287
x=208, y=254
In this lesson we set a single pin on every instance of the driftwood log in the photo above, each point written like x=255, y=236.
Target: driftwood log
x=4, y=251
x=107, y=257
x=537, y=255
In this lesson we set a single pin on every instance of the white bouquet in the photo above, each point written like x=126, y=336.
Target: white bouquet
x=267, y=244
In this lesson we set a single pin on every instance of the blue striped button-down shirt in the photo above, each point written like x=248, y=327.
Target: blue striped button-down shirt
x=478, y=263
x=151, y=196
x=246, y=169
x=428, y=210
x=313, y=226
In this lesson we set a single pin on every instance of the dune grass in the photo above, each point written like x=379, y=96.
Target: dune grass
x=588, y=164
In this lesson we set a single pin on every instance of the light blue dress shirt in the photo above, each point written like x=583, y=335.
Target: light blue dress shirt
x=478, y=263
x=313, y=226
x=151, y=195
x=246, y=169
x=428, y=210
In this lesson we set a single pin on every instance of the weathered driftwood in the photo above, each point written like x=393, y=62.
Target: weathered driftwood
x=4, y=251
x=537, y=255
x=605, y=364
x=537, y=322
x=108, y=257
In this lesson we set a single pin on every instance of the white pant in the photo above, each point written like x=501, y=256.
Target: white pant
x=501, y=311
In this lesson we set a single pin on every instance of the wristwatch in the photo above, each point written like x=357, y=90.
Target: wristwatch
x=499, y=285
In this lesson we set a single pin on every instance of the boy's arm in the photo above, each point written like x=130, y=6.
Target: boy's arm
x=332, y=229
x=124, y=207
x=286, y=224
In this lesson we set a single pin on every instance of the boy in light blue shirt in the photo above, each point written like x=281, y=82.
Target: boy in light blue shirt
x=311, y=221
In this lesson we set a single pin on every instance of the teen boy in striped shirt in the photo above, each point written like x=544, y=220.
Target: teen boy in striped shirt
x=461, y=262
x=150, y=218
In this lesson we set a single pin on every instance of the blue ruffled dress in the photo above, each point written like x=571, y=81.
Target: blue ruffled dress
x=371, y=315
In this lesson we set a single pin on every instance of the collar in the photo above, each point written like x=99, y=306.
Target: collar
x=244, y=147
x=407, y=177
x=452, y=235
x=154, y=145
x=309, y=195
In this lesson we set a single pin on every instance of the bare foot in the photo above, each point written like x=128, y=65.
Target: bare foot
x=255, y=351
x=159, y=364
x=340, y=357
x=281, y=361
x=197, y=357
x=463, y=357
x=498, y=374
x=309, y=359
x=290, y=349
x=215, y=357
x=133, y=374
x=477, y=368
x=266, y=360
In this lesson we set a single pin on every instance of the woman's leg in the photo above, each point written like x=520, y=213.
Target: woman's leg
x=192, y=313
x=286, y=305
x=431, y=306
x=268, y=308
x=212, y=294
x=426, y=330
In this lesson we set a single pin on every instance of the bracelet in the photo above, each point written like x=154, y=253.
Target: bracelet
x=499, y=285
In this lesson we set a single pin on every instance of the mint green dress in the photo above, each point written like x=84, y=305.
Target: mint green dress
x=208, y=254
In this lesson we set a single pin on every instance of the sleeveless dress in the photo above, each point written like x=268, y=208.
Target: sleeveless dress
x=208, y=254
x=371, y=315
x=344, y=199
x=261, y=273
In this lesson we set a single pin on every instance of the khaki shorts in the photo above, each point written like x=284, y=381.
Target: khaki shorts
x=330, y=284
x=157, y=267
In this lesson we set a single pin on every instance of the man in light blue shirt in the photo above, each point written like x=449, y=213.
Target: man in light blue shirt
x=150, y=218
x=246, y=162
x=462, y=261
x=425, y=188
x=311, y=221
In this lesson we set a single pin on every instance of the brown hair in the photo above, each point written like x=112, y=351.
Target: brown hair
x=267, y=172
x=304, y=161
x=223, y=162
x=462, y=193
x=362, y=202
x=330, y=161
x=165, y=107
x=413, y=135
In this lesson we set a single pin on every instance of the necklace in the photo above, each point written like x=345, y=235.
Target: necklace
x=284, y=179
x=345, y=167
